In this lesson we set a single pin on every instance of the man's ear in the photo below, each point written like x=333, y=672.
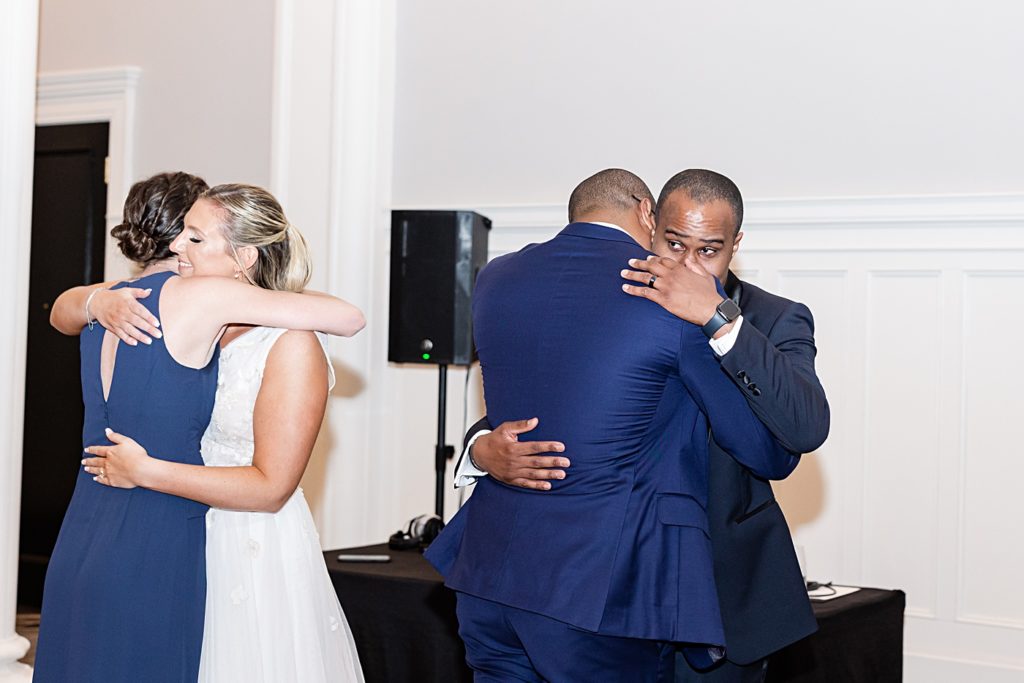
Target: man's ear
x=736, y=243
x=646, y=209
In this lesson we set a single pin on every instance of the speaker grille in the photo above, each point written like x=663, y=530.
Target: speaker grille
x=435, y=258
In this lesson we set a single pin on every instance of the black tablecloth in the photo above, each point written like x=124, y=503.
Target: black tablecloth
x=859, y=640
x=403, y=621
x=402, y=617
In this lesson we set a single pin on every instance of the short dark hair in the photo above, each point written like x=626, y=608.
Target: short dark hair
x=612, y=188
x=154, y=214
x=704, y=186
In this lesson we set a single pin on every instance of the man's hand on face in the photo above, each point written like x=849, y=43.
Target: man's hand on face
x=686, y=289
x=519, y=463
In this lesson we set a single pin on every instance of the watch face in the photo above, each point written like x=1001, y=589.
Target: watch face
x=729, y=309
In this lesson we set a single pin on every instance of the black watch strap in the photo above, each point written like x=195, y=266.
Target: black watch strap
x=726, y=312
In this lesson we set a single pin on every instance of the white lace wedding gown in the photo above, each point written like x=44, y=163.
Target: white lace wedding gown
x=272, y=615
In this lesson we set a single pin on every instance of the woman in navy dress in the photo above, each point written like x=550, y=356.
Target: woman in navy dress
x=125, y=588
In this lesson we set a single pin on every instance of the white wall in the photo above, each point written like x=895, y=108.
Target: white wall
x=204, y=97
x=517, y=101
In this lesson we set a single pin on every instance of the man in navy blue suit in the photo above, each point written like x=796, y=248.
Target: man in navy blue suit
x=769, y=353
x=587, y=580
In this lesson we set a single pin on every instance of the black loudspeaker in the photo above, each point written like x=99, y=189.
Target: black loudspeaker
x=435, y=258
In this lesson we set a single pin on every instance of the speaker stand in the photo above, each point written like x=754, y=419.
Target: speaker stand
x=442, y=451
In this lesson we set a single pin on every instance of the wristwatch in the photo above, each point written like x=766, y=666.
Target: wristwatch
x=726, y=312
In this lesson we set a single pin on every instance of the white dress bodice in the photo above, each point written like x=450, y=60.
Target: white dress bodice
x=228, y=441
x=272, y=614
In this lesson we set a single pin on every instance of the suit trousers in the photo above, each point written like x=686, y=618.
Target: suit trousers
x=508, y=644
x=723, y=672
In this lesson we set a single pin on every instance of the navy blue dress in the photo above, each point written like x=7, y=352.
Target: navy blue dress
x=126, y=585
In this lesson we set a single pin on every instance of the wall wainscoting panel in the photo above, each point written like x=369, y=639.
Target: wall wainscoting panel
x=991, y=468
x=818, y=506
x=905, y=365
x=915, y=302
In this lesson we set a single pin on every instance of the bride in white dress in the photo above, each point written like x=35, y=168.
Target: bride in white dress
x=272, y=614
x=271, y=610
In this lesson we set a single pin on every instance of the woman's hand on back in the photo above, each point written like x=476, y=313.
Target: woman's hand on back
x=119, y=311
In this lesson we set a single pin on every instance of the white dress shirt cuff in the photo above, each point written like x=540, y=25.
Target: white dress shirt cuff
x=724, y=344
x=467, y=473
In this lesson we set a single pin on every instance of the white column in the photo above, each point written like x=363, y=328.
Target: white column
x=19, y=25
x=331, y=168
x=365, y=476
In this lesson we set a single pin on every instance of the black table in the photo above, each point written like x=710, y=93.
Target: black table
x=859, y=640
x=402, y=617
x=403, y=621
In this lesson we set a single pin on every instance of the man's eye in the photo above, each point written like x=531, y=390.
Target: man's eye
x=708, y=251
x=675, y=245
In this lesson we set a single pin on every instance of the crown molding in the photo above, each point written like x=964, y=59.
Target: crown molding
x=937, y=222
x=86, y=83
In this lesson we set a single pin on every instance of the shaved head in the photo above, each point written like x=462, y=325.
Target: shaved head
x=703, y=187
x=613, y=189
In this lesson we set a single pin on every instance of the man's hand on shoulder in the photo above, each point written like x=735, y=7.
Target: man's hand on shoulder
x=686, y=290
x=519, y=463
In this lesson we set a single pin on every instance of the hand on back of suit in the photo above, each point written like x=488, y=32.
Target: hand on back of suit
x=528, y=464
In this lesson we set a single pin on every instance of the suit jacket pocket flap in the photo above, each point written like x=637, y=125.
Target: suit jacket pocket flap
x=679, y=509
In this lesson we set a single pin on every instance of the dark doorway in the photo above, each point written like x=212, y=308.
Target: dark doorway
x=69, y=206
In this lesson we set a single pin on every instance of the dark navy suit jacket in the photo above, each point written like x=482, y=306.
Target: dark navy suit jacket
x=761, y=592
x=622, y=546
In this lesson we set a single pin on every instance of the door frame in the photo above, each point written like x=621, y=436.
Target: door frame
x=98, y=96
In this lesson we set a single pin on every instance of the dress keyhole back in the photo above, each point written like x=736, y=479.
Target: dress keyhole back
x=108, y=358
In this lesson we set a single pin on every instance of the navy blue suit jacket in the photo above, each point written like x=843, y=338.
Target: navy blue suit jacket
x=761, y=592
x=622, y=546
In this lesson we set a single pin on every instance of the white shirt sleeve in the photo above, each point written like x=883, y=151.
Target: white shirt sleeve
x=724, y=344
x=466, y=472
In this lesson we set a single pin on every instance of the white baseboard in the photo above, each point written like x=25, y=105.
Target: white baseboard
x=926, y=668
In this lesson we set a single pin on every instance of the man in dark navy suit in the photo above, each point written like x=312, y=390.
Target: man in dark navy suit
x=768, y=352
x=587, y=580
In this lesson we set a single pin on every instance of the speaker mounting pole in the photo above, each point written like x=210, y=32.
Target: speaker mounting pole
x=435, y=258
x=442, y=451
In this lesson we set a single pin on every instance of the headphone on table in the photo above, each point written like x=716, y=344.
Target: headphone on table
x=419, y=533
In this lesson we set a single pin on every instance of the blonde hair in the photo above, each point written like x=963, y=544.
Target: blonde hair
x=252, y=217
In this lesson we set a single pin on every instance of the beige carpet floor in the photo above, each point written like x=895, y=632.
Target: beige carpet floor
x=28, y=625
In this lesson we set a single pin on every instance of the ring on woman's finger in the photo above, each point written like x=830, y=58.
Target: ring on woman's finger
x=650, y=283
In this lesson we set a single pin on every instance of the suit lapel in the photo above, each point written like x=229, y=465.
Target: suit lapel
x=740, y=292
x=757, y=309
